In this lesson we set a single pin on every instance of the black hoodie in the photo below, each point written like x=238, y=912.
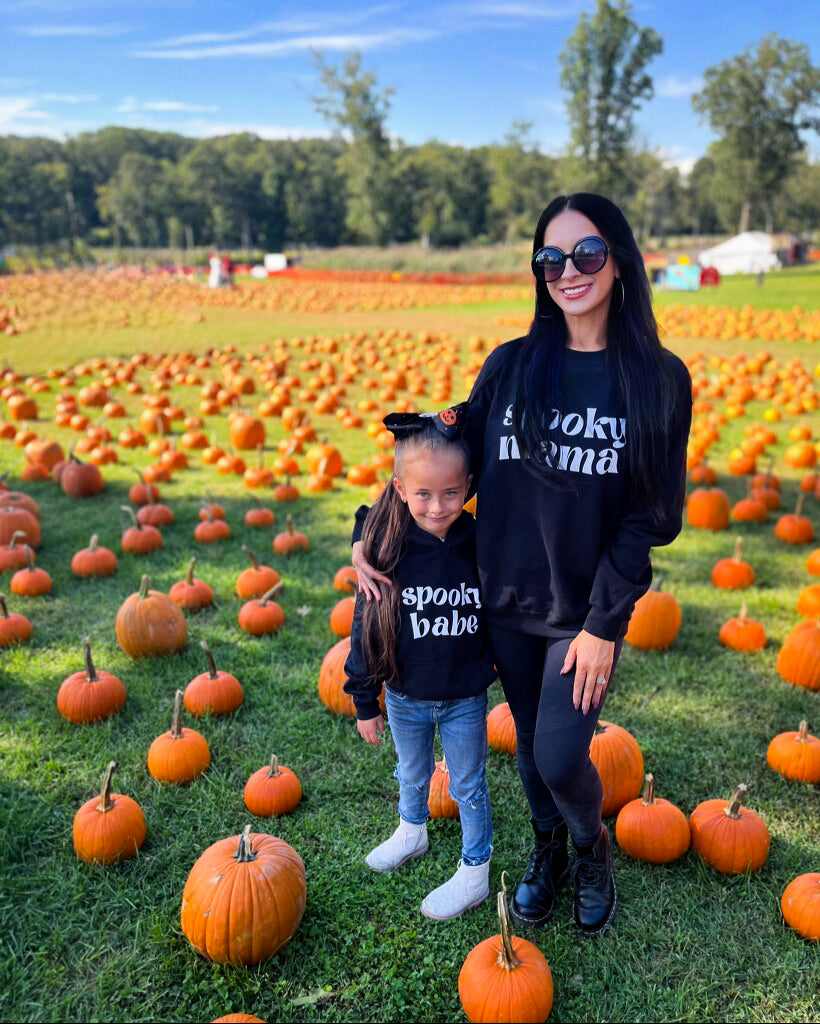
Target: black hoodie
x=441, y=651
x=554, y=561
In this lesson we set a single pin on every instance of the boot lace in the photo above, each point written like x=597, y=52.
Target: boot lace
x=589, y=872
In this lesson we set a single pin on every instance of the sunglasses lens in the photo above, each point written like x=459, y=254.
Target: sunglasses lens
x=590, y=255
x=548, y=264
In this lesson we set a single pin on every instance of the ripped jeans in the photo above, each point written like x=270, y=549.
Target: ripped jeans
x=462, y=725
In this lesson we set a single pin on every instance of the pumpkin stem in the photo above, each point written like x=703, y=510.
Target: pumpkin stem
x=29, y=557
x=92, y=544
x=176, y=717
x=251, y=555
x=798, y=508
x=212, y=672
x=648, y=796
x=738, y=553
x=189, y=575
x=3, y=607
x=444, y=767
x=803, y=731
x=289, y=523
x=14, y=536
x=742, y=616
x=274, y=766
x=506, y=955
x=145, y=583
x=106, y=803
x=732, y=809
x=132, y=515
x=269, y=593
x=90, y=671
x=244, y=853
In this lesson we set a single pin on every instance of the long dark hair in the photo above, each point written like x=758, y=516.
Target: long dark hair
x=643, y=381
x=384, y=537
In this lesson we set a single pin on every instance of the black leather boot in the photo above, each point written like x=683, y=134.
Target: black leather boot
x=595, y=893
x=534, y=899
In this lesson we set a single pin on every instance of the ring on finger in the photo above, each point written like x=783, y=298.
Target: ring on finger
x=600, y=682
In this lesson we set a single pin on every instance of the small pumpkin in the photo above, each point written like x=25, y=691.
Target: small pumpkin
x=341, y=616
x=244, y=898
x=272, y=790
x=217, y=692
x=800, y=904
x=729, y=837
x=808, y=601
x=652, y=829
x=15, y=519
x=148, y=623
x=259, y=517
x=88, y=696
x=439, y=802
x=796, y=755
x=191, y=593
x=179, y=755
x=31, y=581
x=94, y=560
x=253, y=582
x=332, y=679
x=80, y=479
x=290, y=540
x=656, y=620
x=742, y=633
x=346, y=579
x=211, y=529
x=794, y=527
x=505, y=978
x=109, y=827
x=733, y=573
x=139, y=538
x=262, y=615
x=14, y=628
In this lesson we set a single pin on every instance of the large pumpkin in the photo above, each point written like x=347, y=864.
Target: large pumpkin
x=796, y=755
x=616, y=754
x=707, y=508
x=501, y=728
x=244, y=898
x=505, y=978
x=149, y=623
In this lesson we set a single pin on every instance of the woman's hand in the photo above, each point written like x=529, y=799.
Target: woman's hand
x=367, y=574
x=372, y=730
x=592, y=658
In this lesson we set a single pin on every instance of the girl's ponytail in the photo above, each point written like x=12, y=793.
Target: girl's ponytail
x=383, y=538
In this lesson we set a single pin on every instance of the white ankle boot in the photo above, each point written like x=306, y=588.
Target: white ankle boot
x=468, y=887
x=407, y=841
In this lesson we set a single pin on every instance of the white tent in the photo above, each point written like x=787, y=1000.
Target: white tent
x=748, y=253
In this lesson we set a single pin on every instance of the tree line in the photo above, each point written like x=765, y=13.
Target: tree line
x=123, y=186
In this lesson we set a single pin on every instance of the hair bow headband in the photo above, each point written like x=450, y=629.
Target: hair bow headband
x=449, y=422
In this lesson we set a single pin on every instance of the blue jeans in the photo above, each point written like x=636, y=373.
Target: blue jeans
x=462, y=725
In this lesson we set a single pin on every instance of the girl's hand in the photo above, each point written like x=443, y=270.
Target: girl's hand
x=367, y=574
x=592, y=658
x=372, y=730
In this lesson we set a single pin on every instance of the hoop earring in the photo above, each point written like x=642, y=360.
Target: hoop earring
x=542, y=316
x=618, y=309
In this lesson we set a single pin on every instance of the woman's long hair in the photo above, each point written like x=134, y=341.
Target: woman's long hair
x=384, y=538
x=643, y=381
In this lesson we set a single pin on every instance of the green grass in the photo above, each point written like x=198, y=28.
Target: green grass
x=84, y=942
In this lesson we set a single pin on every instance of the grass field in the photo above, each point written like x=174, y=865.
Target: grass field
x=83, y=942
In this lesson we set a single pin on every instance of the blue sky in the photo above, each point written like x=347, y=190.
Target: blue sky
x=462, y=71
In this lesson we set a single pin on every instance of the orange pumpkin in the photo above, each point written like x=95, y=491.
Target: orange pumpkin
x=90, y=695
x=191, y=593
x=733, y=573
x=652, y=829
x=729, y=837
x=742, y=633
x=796, y=755
x=800, y=904
x=262, y=615
x=244, y=898
x=501, y=728
x=798, y=660
x=272, y=790
x=148, y=623
x=656, y=620
x=618, y=759
x=439, y=802
x=109, y=827
x=214, y=692
x=179, y=755
x=95, y=560
x=707, y=508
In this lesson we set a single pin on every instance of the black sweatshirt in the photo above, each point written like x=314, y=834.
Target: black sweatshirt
x=441, y=651
x=552, y=561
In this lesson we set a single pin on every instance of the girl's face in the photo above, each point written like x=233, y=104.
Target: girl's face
x=434, y=488
x=578, y=294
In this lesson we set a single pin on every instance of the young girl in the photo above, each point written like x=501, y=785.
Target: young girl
x=425, y=638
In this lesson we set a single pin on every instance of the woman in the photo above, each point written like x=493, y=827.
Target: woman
x=578, y=438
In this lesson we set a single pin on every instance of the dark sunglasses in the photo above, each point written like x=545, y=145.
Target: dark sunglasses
x=589, y=256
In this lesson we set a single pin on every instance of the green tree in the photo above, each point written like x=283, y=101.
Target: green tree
x=759, y=103
x=603, y=69
x=522, y=179
x=357, y=109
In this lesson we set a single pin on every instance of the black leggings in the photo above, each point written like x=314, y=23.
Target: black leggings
x=552, y=738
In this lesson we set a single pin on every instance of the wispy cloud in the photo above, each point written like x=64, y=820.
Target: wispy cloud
x=68, y=97
x=677, y=87
x=129, y=105
x=520, y=10
x=297, y=44
x=49, y=31
x=202, y=129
